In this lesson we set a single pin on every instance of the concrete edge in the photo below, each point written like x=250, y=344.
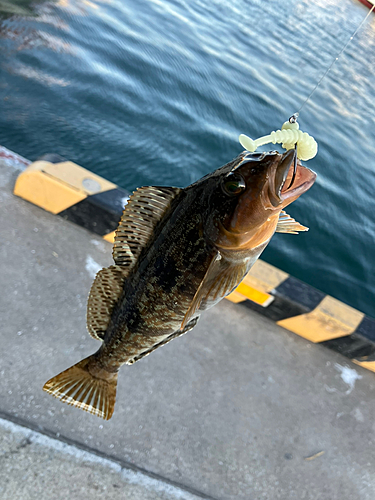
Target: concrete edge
x=78, y=195
x=12, y=159
x=73, y=193
x=129, y=472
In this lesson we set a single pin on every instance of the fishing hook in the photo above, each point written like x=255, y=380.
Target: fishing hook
x=293, y=119
x=294, y=167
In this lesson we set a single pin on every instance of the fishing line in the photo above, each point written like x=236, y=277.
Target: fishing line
x=289, y=136
x=333, y=62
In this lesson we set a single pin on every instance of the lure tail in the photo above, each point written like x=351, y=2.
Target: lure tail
x=78, y=387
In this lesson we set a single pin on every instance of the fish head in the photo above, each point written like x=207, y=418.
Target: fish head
x=248, y=194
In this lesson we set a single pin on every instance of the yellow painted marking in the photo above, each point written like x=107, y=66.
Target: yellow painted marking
x=56, y=187
x=369, y=365
x=261, y=279
x=235, y=297
x=73, y=175
x=264, y=277
x=46, y=192
x=342, y=312
x=110, y=237
x=261, y=298
x=331, y=319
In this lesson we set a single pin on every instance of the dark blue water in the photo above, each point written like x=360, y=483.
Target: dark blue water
x=157, y=92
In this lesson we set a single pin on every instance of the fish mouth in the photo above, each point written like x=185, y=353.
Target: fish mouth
x=289, y=183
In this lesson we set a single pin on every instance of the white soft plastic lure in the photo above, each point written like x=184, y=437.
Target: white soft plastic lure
x=288, y=137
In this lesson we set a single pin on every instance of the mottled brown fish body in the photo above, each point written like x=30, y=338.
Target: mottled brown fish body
x=177, y=252
x=159, y=292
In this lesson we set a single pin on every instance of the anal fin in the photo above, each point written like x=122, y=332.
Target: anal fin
x=174, y=335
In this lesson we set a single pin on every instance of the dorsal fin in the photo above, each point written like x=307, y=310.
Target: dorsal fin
x=104, y=294
x=145, y=208
x=287, y=224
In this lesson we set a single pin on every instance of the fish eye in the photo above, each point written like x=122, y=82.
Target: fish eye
x=233, y=185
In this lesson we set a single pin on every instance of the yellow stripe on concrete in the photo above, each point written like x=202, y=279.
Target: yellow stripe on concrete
x=261, y=298
x=329, y=320
x=261, y=279
x=57, y=186
x=47, y=192
x=369, y=365
x=110, y=237
x=264, y=277
x=74, y=175
x=235, y=297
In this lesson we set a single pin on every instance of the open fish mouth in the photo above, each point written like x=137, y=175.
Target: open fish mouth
x=290, y=183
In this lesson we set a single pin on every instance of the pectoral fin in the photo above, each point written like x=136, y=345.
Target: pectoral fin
x=221, y=278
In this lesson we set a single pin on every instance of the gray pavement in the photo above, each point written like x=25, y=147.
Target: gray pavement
x=236, y=409
x=34, y=466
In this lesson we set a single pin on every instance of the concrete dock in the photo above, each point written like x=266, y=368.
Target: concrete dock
x=238, y=408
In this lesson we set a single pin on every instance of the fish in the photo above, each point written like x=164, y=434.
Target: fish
x=177, y=252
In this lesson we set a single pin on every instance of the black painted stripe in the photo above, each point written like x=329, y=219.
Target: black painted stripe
x=291, y=298
x=353, y=346
x=366, y=328
x=280, y=308
x=99, y=213
x=300, y=293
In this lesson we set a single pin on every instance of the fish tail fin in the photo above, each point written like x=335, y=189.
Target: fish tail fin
x=78, y=387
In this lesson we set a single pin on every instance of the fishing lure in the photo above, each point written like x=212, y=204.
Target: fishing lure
x=289, y=137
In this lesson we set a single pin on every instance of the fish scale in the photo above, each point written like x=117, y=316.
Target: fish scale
x=141, y=327
x=177, y=252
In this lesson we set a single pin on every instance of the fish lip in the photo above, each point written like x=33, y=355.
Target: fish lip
x=305, y=178
x=280, y=190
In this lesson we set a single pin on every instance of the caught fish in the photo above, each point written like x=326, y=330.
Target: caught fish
x=177, y=252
